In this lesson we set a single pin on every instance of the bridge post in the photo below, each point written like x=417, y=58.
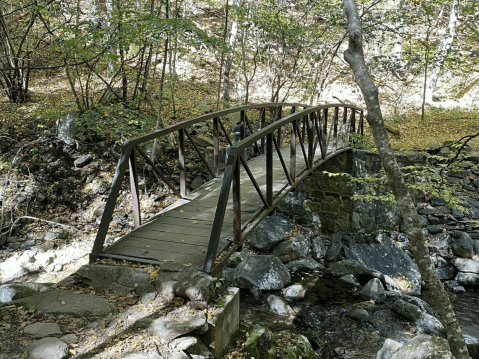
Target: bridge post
x=237, y=200
x=310, y=130
x=216, y=145
x=278, y=117
x=263, y=125
x=135, y=196
x=344, y=129
x=292, y=157
x=269, y=169
x=352, y=123
x=335, y=128
x=181, y=161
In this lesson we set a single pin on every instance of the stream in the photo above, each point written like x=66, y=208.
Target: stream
x=322, y=317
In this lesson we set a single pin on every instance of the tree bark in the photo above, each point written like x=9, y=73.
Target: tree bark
x=444, y=47
x=355, y=58
x=229, y=56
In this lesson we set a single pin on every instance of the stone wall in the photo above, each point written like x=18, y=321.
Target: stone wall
x=330, y=189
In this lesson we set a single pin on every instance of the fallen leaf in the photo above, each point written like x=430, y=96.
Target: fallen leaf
x=187, y=264
x=195, y=222
x=154, y=274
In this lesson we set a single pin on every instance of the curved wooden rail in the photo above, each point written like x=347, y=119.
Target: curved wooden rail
x=131, y=149
x=308, y=131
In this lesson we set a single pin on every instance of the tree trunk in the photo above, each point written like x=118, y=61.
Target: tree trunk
x=229, y=56
x=444, y=47
x=355, y=58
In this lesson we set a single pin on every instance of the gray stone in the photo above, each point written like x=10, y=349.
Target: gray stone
x=270, y=232
x=334, y=248
x=388, y=349
x=49, y=236
x=467, y=279
x=349, y=278
x=144, y=355
x=318, y=249
x=373, y=290
x=294, y=292
x=445, y=273
x=476, y=246
x=351, y=267
x=264, y=272
x=423, y=220
x=66, y=302
x=435, y=229
x=204, y=141
x=176, y=323
x=292, y=249
x=424, y=322
x=304, y=264
x=83, y=160
x=70, y=339
x=466, y=265
x=390, y=260
x=463, y=246
x=48, y=348
x=359, y=314
x=402, y=237
x=440, y=247
x=113, y=279
x=197, y=182
x=191, y=284
x=13, y=291
x=278, y=306
x=228, y=274
x=421, y=347
x=42, y=330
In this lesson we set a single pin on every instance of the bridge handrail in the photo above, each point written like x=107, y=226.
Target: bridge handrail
x=128, y=160
x=312, y=115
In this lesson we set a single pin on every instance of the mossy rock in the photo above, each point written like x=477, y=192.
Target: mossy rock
x=293, y=346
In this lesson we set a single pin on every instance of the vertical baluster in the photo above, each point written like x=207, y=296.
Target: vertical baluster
x=280, y=116
x=216, y=145
x=361, y=123
x=344, y=129
x=310, y=130
x=269, y=169
x=237, y=201
x=325, y=130
x=335, y=128
x=292, y=157
x=181, y=161
x=135, y=195
x=263, y=125
x=353, y=121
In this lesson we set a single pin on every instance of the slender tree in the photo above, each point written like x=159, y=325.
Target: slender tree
x=355, y=58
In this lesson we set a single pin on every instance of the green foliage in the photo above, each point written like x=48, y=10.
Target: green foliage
x=113, y=122
x=360, y=142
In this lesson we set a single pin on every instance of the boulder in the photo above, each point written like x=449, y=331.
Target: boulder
x=445, y=273
x=373, y=290
x=270, y=232
x=390, y=260
x=83, y=161
x=113, y=279
x=42, y=330
x=191, y=284
x=294, y=292
x=264, y=272
x=13, y=291
x=467, y=279
x=48, y=348
x=278, y=306
x=334, y=248
x=351, y=267
x=177, y=323
x=463, y=246
x=318, y=249
x=292, y=249
x=424, y=322
x=421, y=347
x=66, y=302
x=304, y=264
x=466, y=265
x=204, y=141
x=361, y=315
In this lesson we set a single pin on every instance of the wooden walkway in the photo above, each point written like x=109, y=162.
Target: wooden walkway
x=181, y=232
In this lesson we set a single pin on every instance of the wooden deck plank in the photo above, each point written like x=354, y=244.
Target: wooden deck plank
x=181, y=234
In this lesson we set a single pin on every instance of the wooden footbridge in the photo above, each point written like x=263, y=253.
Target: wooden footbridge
x=206, y=226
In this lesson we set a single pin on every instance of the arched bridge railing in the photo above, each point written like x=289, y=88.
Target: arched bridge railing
x=310, y=132
x=134, y=150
